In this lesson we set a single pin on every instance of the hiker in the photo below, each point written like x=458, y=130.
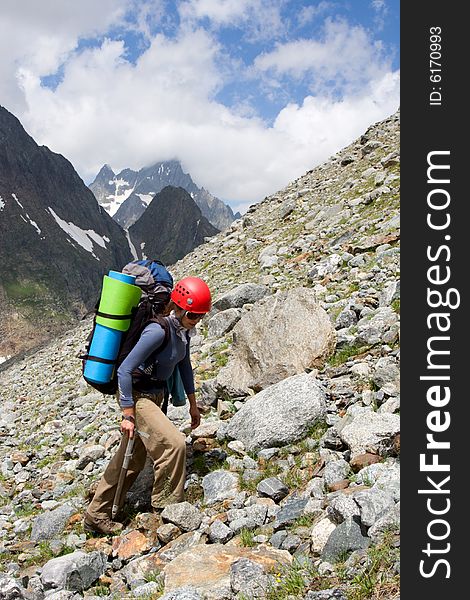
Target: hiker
x=141, y=379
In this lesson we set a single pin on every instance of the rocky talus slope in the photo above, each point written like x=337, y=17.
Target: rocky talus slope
x=293, y=475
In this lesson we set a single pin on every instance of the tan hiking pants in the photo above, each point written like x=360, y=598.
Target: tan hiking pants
x=165, y=445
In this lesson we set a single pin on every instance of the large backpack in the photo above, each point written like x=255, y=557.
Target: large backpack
x=156, y=283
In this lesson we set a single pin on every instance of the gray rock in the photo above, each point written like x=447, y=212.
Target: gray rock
x=184, y=593
x=246, y=293
x=390, y=293
x=88, y=455
x=291, y=543
x=336, y=470
x=49, y=524
x=292, y=510
x=248, y=578
x=346, y=537
x=273, y=488
x=341, y=508
x=242, y=523
x=390, y=520
x=75, y=571
x=387, y=375
x=364, y=430
x=219, y=533
x=10, y=589
x=277, y=538
x=219, y=485
x=64, y=595
x=257, y=512
x=373, y=504
x=372, y=329
x=268, y=345
x=146, y=590
x=223, y=322
x=182, y=514
x=346, y=318
x=280, y=414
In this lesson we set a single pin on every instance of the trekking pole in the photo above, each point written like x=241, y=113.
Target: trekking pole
x=122, y=475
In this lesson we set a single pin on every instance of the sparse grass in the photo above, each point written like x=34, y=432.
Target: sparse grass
x=345, y=353
x=293, y=581
x=378, y=580
x=317, y=430
x=26, y=510
x=396, y=305
x=101, y=590
x=247, y=538
x=270, y=470
x=304, y=521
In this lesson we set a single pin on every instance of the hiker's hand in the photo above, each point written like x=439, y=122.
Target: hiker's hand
x=127, y=427
x=195, y=416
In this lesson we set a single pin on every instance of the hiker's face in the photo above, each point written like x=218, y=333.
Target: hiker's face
x=187, y=319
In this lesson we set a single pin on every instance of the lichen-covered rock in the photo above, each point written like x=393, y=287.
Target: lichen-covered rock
x=279, y=414
x=268, y=345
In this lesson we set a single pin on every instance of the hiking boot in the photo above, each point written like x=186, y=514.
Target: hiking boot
x=101, y=525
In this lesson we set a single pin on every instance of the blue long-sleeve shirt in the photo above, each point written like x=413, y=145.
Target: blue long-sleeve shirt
x=144, y=358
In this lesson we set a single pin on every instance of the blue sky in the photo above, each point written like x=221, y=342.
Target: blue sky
x=247, y=94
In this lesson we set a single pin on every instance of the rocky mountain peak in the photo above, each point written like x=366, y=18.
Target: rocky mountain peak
x=125, y=196
x=179, y=222
x=55, y=240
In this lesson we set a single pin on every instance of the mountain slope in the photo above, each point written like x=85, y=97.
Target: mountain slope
x=172, y=226
x=55, y=241
x=126, y=196
x=314, y=492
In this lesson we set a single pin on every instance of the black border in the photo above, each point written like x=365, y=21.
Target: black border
x=426, y=128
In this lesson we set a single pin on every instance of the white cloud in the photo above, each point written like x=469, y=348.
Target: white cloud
x=307, y=14
x=39, y=36
x=164, y=105
x=346, y=56
x=381, y=10
x=260, y=19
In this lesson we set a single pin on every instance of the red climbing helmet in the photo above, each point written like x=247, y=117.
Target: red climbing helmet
x=192, y=294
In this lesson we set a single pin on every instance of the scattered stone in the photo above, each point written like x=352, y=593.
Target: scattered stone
x=320, y=534
x=247, y=577
x=219, y=485
x=292, y=510
x=75, y=571
x=168, y=532
x=273, y=488
x=364, y=430
x=268, y=346
x=346, y=537
x=49, y=524
x=219, y=533
x=182, y=514
x=246, y=293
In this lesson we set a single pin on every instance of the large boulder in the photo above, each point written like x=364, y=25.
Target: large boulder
x=283, y=335
x=280, y=414
x=364, y=430
x=75, y=572
x=210, y=567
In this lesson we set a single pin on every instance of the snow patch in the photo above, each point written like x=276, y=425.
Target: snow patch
x=82, y=237
x=131, y=245
x=115, y=200
x=2, y=204
x=17, y=201
x=146, y=198
x=4, y=358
